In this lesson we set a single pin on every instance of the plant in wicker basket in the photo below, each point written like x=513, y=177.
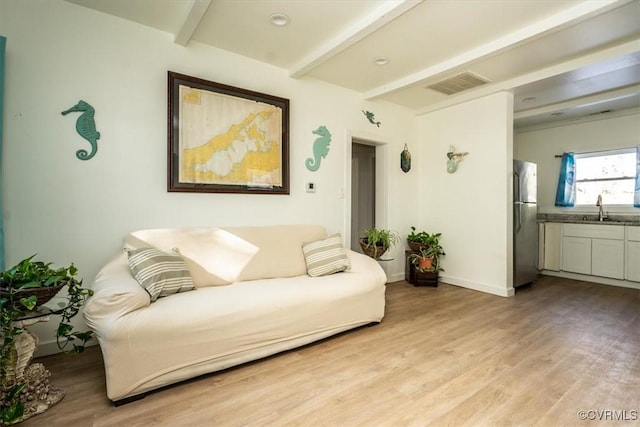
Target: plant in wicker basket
x=417, y=240
x=24, y=288
x=377, y=241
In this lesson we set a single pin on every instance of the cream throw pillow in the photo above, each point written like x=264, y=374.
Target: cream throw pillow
x=326, y=256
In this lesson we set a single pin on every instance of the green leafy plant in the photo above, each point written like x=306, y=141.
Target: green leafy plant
x=418, y=237
x=377, y=241
x=30, y=274
x=429, y=248
x=16, y=303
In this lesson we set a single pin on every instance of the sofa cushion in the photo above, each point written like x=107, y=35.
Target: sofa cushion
x=280, y=249
x=214, y=256
x=160, y=273
x=326, y=256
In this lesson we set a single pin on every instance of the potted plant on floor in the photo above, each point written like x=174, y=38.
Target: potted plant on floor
x=24, y=289
x=428, y=257
x=376, y=241
x=426, y=261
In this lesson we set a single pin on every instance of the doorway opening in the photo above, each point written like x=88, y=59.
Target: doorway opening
x=366, y=205
x=363, y=190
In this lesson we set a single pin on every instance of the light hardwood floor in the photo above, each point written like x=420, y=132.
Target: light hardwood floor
x=443, y=356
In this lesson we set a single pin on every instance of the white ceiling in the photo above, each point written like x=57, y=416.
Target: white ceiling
x=573, y=57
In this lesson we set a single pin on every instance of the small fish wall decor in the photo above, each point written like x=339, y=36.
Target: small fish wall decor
x=453, y=159
x=371, y=117
x=320, y=148
x=86, y=127
x=405, y=160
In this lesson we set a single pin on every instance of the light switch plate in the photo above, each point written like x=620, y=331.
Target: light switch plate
x=311, y=187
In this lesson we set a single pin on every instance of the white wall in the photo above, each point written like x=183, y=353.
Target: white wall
x=68, y=210
x=542, y=144
x=471, y=207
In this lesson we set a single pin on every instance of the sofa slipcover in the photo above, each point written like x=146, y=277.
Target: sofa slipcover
x=150, y=345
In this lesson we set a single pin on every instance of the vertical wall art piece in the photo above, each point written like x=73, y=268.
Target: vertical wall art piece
x=405, y=160
x=453, y=159
x=320, y=148
x=223, y=139
x=371, y=117
x=86, y=127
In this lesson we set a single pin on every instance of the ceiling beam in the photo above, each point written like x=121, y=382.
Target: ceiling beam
x=532, y=32
x=387, y=12
x=627, y=48
x=583, y=101
x=191, y=22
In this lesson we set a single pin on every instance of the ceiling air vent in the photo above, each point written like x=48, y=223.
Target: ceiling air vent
x=458, y=83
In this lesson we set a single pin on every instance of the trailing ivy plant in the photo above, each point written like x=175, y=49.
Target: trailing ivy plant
x=30, y=274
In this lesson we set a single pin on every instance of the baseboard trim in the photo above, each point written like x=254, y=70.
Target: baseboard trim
x=51, y=347
x=395, y=277
x=501, y=292
x=594, y=279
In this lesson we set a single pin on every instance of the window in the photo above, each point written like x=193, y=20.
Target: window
x=610, y=173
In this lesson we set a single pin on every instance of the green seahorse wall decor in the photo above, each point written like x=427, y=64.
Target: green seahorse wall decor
x=86, y=127
x=320, y=148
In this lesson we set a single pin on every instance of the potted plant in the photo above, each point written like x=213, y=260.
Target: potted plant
x=377, y=241
x=416, y=240
x=427, y=257
x=24, y=288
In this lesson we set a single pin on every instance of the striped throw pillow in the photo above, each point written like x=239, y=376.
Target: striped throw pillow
x=160, y=273
x=326, y=256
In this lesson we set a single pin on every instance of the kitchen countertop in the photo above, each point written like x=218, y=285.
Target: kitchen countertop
x=632, y=220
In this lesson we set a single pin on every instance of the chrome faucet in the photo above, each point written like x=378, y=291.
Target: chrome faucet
x=601, y=214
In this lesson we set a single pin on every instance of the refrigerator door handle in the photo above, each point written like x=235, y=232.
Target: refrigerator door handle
x=517, y=203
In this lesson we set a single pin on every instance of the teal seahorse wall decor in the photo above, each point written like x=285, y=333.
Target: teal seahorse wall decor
x=371, y=117
x=86, y=127
x=320, y=148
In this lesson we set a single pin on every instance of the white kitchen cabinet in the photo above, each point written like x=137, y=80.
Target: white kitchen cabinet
x=604, y=250
x=607, y=258
x=632, y=250
x=576, y=254
x=551, y=243
x=594, y=249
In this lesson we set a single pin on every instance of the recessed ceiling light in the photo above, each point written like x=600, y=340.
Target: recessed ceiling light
x=279, y=19
x=381, y=60
x=529, y=99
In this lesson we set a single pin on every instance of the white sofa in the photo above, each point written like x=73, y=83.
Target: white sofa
x=253, y=298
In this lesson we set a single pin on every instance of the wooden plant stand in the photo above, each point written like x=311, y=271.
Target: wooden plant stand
x=418, y=278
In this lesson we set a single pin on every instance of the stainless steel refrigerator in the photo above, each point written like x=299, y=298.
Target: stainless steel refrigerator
x=525, y=227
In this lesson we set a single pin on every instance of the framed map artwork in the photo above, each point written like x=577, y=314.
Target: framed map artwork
x=223, y=139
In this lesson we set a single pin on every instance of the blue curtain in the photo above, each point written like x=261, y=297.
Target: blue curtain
x=3, y=42
x=636, y=193
x=566, y=192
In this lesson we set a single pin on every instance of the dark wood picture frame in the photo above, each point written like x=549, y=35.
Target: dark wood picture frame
x=233, y=140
